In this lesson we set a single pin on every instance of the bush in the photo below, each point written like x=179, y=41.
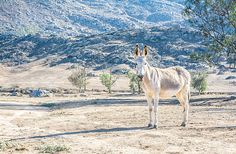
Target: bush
x=199, y=82
x=53, y=148
x=108, y=81
x=134, y=83
x=4, y=146
x=79, y=79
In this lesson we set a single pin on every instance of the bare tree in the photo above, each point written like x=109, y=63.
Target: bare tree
x=79, y=78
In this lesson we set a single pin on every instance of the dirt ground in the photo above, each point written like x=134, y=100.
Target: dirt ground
x=101, y=123
x=117, y=124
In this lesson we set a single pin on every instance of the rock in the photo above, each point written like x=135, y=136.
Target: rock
x=182, y=58
x=83, y=95
x=91, y=74
x=221, y=72
x=230, y=77
x=232, y=97
x=14, y=93
x=222, y=67
x=222, y=59
x=234, y=70
x=214, y=71
x=233, y=83
x=39, y=93
x=119, y=71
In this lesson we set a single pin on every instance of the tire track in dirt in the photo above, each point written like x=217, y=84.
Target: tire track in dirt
x=11, y=112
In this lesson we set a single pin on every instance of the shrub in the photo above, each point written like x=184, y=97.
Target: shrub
x=4, y=146
x=53, y=148
x=134, y=83
x=199, y=82
x=79, y=79
x=107, y=80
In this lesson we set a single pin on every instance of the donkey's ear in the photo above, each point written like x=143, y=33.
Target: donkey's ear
x=145, y=50
x=136, y=51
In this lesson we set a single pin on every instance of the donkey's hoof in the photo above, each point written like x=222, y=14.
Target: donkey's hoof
x=183, y=124
x=149, y=125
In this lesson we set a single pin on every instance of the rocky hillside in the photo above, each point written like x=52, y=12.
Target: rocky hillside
x=94, y=33
x=66, y=18
x=169, y=45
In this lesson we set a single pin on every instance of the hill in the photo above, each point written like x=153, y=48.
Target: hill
x=68, y=18
x=98, y=34
x=169, y=45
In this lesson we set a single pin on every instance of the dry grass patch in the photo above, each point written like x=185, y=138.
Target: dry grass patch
x=4, y=146
x=53, y=148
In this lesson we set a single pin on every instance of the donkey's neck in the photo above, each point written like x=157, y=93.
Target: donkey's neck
x=147, y=70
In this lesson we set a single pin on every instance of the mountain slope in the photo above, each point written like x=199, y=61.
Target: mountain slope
x=96, y=33
x=71, y=18
x=168, y=46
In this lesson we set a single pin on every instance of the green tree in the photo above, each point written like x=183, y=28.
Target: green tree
x=199, y=82
x=108, y=80
x=134, y=83
x=79, y=79
x=216, y=19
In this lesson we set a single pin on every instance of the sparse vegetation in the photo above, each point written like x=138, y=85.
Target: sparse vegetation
x=108, y=80
x=3, y=146
x=79, y=79
x=9, y=145
x=199, y=82
x=134, y=83
x=53, y=148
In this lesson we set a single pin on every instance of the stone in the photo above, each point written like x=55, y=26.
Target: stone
x=39, y=93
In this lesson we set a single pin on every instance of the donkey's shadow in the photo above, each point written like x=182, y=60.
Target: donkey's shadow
x=101, y=130
x=120, y=129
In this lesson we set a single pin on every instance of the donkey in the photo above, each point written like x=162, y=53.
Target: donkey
x=160, y=83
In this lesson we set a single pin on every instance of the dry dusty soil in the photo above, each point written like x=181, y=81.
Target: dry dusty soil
x=116, y=124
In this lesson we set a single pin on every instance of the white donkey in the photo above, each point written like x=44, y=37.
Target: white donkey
x=160, y=83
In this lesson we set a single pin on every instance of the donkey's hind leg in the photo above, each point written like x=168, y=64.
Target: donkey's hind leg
x=183, y=97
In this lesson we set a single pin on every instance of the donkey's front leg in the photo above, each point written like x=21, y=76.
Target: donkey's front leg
x=149, y=101
x=156, y=101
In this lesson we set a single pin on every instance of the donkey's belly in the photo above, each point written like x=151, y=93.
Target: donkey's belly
x=168, y=93
x=170, y=87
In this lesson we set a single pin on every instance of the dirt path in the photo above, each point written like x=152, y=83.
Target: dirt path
x=115, y=125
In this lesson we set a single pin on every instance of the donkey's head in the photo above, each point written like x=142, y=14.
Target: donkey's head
x=141, y=62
